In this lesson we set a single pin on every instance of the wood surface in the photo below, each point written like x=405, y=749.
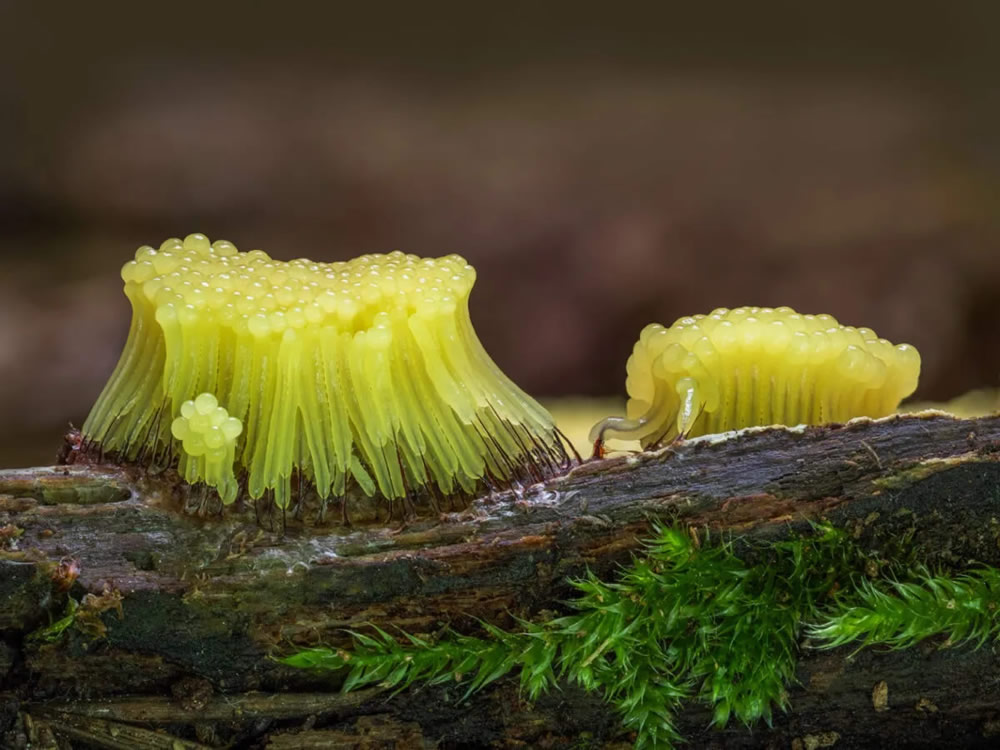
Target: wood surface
x=182, y=612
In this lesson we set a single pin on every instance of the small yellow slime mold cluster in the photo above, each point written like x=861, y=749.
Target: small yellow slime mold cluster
x=367, y=370
x=208, y=436
x=757, y=366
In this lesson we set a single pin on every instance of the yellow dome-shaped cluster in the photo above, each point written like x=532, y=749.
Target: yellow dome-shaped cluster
x=757, y=366
x=366, y=369
x=208, y=439
x=195, y=280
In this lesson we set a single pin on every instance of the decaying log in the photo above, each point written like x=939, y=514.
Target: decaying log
x=180, y=614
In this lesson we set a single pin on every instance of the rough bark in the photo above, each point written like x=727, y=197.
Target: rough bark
x=181, y=613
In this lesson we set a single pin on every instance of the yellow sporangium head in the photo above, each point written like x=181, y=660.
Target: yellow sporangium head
x=756, y=366
x=366, y=371
x=208, y=441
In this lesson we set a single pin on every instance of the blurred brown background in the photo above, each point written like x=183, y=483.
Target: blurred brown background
x=602, y=169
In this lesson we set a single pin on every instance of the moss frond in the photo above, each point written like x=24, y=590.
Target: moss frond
x=687, y=621
x=901, y=614
x=684, y=621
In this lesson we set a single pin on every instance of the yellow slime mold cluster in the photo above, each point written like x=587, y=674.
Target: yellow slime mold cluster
x=367, y=370
x=757, y=366
x=208, y=438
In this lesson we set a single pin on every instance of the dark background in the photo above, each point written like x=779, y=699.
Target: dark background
x=602, y=168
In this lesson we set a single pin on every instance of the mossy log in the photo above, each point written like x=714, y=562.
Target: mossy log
x=180, y=614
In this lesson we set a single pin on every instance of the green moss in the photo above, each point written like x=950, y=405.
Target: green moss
x=53, y=632
x=691, y=620
x=906, y=478
x=901, y=614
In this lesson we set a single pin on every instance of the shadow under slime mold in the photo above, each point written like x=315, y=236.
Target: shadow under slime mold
x=296, y=383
